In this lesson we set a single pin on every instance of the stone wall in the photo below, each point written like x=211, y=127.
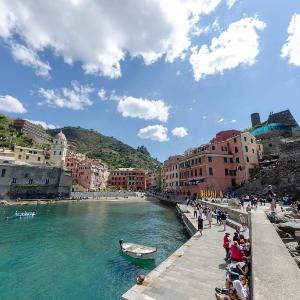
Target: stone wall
x=274, y=275
x=284, y=174
x=33, y=182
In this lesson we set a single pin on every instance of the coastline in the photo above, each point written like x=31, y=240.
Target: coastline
x=54, y=201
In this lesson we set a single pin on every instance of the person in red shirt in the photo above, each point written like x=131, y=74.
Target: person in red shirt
x=226, y=245
x=235, y=252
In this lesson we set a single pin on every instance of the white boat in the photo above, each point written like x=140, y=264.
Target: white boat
x=24, y=214
x=137, y=251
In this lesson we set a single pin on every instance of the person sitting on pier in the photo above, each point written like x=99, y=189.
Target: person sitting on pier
x=236, y=237
x=224, y=290
x=242, y=287
x=236, y=253
x=240, y=268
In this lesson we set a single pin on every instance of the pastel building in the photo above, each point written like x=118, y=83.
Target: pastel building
x=92, y=174
x=171, y=173
x=54, y=156
x=128, y=179
x=224, y=162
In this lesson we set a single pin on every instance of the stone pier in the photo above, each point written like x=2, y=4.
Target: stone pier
x=192, y=272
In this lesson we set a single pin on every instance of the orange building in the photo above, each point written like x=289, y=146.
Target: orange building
x=128, y=179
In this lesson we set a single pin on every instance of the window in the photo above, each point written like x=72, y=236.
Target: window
x=251, y=141
x=3, y=171
x=209, y=159
x=27, y=157
x=21, y=150
x=222, y=148
x=247, y=158
x=236, y=150
x=246, y=148
x=54, y=153
x=225, y=160
x=237, y=160
x=195, y=172
x=59, y=152
x=210, y=171
x=47, y=181
x=231, y=160
x=245, y=139
x=14, y=180
x=200, y=172
x=253, y=151
x=234, y=140
x=226, y=172
x=30, y=181
x=213, y=147
x=20, y=156
x=39, y=159
x=199, y=160
x=270, y=145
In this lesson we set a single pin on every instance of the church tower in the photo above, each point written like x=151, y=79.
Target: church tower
x=59, y=150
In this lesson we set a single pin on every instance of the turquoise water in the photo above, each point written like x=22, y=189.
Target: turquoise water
x=71, y=250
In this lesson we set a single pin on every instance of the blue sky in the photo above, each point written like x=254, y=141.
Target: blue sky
x=139, y=71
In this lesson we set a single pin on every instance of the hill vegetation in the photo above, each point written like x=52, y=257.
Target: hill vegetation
x=10, y=137
x=112, y=151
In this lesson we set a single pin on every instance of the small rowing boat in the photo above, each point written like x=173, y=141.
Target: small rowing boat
x=24, y=214
x=137, y=251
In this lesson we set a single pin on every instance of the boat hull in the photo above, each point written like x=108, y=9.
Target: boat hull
x=138, y=251
x=140, y=255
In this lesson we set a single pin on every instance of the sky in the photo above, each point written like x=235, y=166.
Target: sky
x=166, y=74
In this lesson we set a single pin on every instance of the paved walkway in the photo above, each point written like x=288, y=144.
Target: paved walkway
x=191, y=273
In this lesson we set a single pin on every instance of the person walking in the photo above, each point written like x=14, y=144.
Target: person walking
x=242, y=203
x=195, y=211
x=218, y=214
x=209, y=217
x=271, y=196
x=200, y=224
x=226, y=245
x=242, y=222
x=224, y=219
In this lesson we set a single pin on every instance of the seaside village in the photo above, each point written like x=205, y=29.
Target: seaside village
x=210, y=170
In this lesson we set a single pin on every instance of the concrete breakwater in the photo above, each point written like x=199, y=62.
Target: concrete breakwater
x=191, y=272
x=196, y=268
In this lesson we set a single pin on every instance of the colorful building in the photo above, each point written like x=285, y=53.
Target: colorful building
x=171, y=173
x=54, y=156
x=128, y=179
x=224, y=162
x=92, y=174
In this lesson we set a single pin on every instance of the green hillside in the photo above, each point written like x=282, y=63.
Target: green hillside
x=110, y=150
x=9, y=136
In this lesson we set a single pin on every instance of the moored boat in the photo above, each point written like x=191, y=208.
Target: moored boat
x=24, y=214
x=137, y=251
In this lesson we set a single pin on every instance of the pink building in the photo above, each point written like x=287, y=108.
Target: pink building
x=224, y=162
x=171, y=173
x=92, y=174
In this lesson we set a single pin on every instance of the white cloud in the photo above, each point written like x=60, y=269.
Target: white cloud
x=230, y=3
x=204, y=117
x=291, y=49
x=143, y=108
x=43, y=124
x=238, y=45
x=178, y=73
x=157, y=133
x=100, y=34
x=29, y=58
x=220, y=120
x=75, y=98
x=233, y=121
x=180, y=131
x=11, y=104
x=102, y=94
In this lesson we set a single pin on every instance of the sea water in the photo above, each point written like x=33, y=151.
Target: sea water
x=71, y=250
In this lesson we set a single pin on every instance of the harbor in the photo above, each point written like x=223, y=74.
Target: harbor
x=71, y=250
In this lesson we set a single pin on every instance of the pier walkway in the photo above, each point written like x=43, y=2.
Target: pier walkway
x=193, y=271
